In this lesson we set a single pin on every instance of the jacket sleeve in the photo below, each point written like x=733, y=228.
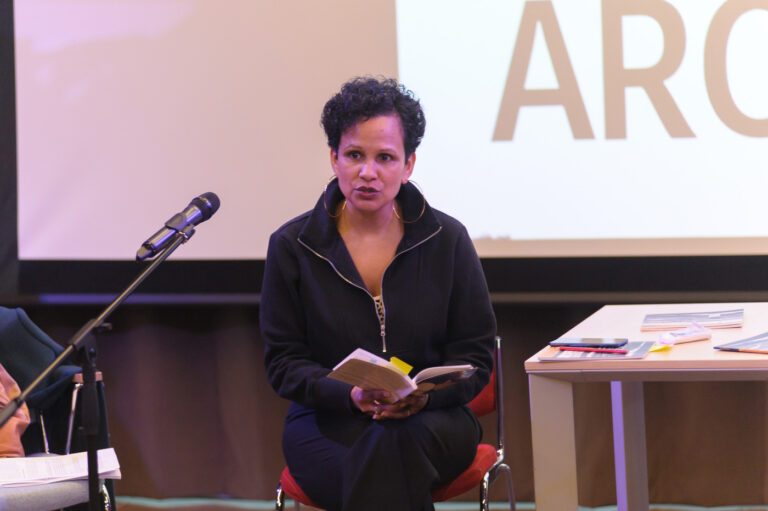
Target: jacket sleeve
x=289, y=365
x=471, y=327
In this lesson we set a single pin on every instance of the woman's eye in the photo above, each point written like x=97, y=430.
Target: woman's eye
x=385, y=157
x=354, y=155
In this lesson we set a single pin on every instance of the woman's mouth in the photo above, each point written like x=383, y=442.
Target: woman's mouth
x=366, y=192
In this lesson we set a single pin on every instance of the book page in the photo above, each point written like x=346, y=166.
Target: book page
x=32, y=470
x=440, y=374
x=370, y=376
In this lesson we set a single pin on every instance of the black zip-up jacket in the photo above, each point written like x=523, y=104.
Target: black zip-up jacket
x=315, y=308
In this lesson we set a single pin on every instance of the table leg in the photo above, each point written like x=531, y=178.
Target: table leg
x=554, y=444
x=629, y=445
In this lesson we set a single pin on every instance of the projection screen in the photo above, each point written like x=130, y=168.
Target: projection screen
x=554, y=128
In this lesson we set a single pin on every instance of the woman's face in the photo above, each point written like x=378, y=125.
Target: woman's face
x=371, y=165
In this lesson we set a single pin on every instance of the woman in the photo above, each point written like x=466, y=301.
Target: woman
x=373, y=266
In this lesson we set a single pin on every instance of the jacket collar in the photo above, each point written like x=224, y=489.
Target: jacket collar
x=320, y=234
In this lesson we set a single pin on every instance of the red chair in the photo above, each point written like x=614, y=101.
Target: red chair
x=487, y=465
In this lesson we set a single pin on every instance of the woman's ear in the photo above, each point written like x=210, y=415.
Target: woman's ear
x=334, y=161
x=409, y=163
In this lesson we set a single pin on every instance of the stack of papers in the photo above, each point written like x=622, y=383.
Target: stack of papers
x=32, y=470
x=716, y=319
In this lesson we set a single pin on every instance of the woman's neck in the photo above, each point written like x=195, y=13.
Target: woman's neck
x=368, y=223
x=372, y=242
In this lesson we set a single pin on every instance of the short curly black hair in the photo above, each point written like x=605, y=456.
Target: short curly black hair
x=364, y=97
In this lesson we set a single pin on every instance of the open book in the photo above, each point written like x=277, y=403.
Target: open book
x=369, y=372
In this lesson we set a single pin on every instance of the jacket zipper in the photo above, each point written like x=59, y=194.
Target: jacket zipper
x=383, y=316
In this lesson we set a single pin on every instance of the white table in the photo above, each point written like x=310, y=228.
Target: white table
x=551, y=395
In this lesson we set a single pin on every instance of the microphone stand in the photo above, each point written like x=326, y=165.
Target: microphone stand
x=83, y=342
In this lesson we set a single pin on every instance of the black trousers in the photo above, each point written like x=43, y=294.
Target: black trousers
x=353, y=463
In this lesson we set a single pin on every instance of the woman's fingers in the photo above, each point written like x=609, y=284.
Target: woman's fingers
x=399, y=410
x=381, y=404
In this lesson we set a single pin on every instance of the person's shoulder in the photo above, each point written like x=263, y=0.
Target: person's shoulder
x=454, y=236
x=292, y=227
x=451, y=225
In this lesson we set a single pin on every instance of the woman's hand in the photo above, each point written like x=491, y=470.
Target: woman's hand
x=371, y=401
x=409, y=405
x=383, y=405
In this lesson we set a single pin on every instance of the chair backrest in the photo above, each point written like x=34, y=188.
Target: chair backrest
x=485, y=402
x=491, y=398
x=25, y=350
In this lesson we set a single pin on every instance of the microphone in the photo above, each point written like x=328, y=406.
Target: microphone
x=199, y=210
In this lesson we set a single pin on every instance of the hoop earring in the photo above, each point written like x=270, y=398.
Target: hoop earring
x=423, y=205
x=325, y=201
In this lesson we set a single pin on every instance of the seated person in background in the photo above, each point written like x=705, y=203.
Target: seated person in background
x=374, y=266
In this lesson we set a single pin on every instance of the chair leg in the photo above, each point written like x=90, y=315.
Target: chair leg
x=105, y=496
x=484, y=504
x=46, y=449
x=510, y=488
x=280, y=500
x=71, y=422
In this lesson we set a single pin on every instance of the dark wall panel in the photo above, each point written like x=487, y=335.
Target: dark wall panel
x=8, y=251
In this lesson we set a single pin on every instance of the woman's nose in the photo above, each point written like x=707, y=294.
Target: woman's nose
x=367, y=171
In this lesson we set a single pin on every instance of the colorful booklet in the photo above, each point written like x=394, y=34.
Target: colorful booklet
x=756, y=344
x=715, y=319
x=370, y=372
x=635, y=350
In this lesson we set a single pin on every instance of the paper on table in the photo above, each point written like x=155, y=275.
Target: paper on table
x=712, y=319
x=33, y=470
x=755, y=344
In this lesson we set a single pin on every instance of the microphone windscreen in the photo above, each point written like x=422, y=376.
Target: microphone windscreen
x=208, y=203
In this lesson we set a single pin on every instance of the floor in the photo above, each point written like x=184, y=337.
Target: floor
x=143, y=504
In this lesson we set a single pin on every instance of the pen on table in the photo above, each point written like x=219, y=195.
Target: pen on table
x=596, y=350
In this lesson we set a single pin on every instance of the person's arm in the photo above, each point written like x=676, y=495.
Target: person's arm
x=471, y=327
x=290, y=368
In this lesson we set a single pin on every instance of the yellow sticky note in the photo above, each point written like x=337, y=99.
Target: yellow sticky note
x=661, y=347
x=403, y=366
